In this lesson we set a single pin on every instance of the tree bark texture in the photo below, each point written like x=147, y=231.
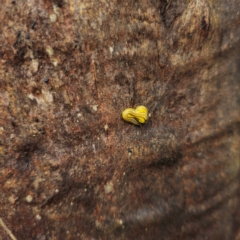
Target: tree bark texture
x=71, y=168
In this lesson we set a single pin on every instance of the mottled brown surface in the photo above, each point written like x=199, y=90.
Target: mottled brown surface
x=71, y=168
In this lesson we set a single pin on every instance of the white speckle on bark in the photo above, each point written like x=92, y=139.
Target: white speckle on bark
x=38, y=217
x=108, y=187
x=34, y=66
x=49, y=51
x=53, y=17
x=29, y=198
x=95, y=107
x=111, y=49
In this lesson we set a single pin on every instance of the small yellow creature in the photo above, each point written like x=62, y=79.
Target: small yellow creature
x=135, y=116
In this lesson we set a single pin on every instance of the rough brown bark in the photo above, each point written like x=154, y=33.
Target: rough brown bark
x=71, y=168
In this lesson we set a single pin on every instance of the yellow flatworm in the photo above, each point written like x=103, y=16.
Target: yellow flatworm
x=135, y=116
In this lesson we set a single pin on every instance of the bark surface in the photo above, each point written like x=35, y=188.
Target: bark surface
x=71, y=168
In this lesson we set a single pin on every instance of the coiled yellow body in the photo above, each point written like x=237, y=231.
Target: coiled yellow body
x=135, y=116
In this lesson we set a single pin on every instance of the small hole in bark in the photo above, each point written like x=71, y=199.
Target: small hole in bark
x=46, y=80
x=36, y=91
x=204, y=24
x=33, y=24
x=14, y=124
x=42, y=131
